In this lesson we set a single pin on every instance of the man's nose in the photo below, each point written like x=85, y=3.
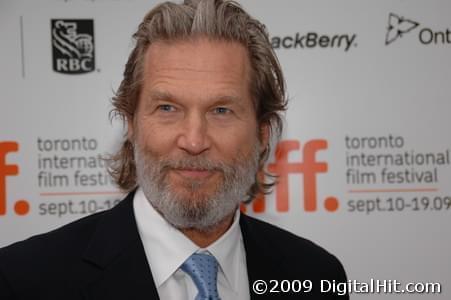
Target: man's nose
x=194, y=137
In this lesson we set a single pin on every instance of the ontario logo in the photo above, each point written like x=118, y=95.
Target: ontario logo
x=398, y=26
x=73, y=46
x=21, y=207
x=309, y=167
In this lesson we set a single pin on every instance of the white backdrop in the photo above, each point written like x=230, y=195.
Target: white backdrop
x=368, y=121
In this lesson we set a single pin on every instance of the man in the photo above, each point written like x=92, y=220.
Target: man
x=201, y=96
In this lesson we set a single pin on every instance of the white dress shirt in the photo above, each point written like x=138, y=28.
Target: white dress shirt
x=167, y=248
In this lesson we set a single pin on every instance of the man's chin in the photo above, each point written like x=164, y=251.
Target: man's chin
x=193, y=189
x=194, y=180
x=188, y=196
x=196, y=210
x=199, y=220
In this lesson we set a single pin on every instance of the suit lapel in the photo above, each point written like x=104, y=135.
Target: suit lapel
x=116, y=256
x=260, y=260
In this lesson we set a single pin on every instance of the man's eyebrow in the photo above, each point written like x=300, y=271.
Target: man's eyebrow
x=215, y=100
x=160, y=95
x=224, y=99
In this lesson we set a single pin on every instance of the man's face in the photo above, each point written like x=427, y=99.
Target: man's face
x=195, y=131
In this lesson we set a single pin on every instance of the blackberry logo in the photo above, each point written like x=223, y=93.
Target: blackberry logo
x=397, y=26
x=314, y=40
x=73, y=46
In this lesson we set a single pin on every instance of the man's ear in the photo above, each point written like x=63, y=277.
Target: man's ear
x=265, y=132
x=130, y=129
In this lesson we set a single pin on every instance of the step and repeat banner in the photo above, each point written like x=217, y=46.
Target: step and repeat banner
x=364, y=163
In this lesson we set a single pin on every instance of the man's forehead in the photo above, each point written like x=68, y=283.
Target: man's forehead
x=219, y=69
x=201, y=54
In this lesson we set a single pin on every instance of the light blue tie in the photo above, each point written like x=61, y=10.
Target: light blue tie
x=203, y=269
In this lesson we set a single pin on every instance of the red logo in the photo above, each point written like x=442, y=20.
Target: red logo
x=308, y=167
x=21, y=207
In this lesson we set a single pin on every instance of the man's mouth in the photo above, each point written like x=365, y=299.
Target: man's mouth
x=194, y=173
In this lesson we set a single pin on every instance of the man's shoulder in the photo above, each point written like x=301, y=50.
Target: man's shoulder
x=85, y=256
x=279, y=236
x=273, y=253
x=62, y=242
x=290, y=247
x=69, y=243
x=55, y=257
x=72, y=237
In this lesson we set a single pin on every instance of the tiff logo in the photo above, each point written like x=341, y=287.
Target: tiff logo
x=308, y=167
x=21, y=207
x=73, y=46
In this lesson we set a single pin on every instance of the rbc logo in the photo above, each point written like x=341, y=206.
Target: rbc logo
x=21, y=207
x=73, y=46
x=309, y=168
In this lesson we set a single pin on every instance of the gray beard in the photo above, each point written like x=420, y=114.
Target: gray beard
x=194, y=209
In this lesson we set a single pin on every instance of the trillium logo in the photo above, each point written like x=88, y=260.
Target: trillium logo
x=397, y=27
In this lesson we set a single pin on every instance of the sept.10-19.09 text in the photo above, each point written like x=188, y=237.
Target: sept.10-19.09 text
x=400, y=204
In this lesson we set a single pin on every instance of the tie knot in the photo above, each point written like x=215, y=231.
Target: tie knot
x=203, y=269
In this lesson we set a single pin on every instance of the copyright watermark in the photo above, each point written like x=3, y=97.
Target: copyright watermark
x=373, y=286
x=261, y=287
x=377, y=286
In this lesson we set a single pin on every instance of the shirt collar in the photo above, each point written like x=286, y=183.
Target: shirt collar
x=167, y=248
x=226, y=251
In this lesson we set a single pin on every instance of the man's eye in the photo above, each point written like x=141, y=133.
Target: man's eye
x=222, y=110
x=166, y=108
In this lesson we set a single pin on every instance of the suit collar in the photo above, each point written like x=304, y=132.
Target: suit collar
x=117, y=254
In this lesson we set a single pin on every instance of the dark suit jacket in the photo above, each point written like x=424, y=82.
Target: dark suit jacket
x=102, y=257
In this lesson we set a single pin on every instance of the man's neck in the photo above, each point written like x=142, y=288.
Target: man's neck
x=204, y=239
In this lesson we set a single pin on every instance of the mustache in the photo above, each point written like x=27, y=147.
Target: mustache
x=193, y=163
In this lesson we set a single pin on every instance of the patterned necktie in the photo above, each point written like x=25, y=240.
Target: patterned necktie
x=203, y=269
